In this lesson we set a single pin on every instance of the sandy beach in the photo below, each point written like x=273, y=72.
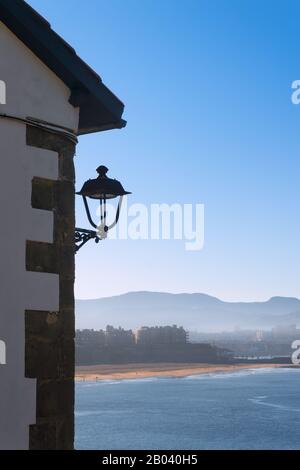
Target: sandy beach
x=138, y=371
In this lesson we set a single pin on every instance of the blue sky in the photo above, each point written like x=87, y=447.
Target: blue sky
x=207, y=89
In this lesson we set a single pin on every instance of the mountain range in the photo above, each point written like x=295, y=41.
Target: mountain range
x=197, y=311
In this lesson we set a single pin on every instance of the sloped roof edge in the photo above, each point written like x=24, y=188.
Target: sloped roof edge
x=100, y=109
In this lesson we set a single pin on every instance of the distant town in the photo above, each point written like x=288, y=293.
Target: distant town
x=253, y=344
x=146, y=344
x=175, y=344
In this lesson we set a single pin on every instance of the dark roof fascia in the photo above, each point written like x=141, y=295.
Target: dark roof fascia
x=85, y=85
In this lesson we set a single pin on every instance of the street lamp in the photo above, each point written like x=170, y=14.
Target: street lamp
x=101, y=188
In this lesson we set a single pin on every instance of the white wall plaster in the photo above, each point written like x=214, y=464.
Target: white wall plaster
x=31, y=90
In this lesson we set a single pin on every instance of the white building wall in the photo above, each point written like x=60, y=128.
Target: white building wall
x=31, y=90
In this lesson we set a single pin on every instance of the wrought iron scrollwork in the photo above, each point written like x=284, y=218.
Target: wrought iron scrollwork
x=82, y=236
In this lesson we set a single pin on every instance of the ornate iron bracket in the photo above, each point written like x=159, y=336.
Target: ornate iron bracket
x=82, y=236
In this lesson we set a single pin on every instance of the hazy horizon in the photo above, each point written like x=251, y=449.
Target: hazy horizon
x=192, y=311
x=189, y=293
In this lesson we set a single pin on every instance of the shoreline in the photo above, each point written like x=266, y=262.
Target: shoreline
x=142, y=371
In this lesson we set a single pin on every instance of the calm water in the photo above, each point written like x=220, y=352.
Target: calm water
x=253, y=409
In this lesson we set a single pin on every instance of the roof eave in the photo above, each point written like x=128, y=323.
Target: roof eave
x=102, y=127
x=100, y=109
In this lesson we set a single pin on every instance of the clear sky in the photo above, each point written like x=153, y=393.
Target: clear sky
x=207, y=89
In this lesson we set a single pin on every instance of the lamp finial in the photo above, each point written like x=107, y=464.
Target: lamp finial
x=102, y=170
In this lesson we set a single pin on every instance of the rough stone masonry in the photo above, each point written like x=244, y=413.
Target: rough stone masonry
x=49, y=336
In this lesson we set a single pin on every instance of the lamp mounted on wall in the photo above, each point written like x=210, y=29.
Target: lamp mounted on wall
x=101, y=188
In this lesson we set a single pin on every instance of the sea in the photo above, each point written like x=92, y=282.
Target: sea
x=248, y=409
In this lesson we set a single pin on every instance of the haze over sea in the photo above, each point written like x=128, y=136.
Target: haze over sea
x=250, y=409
